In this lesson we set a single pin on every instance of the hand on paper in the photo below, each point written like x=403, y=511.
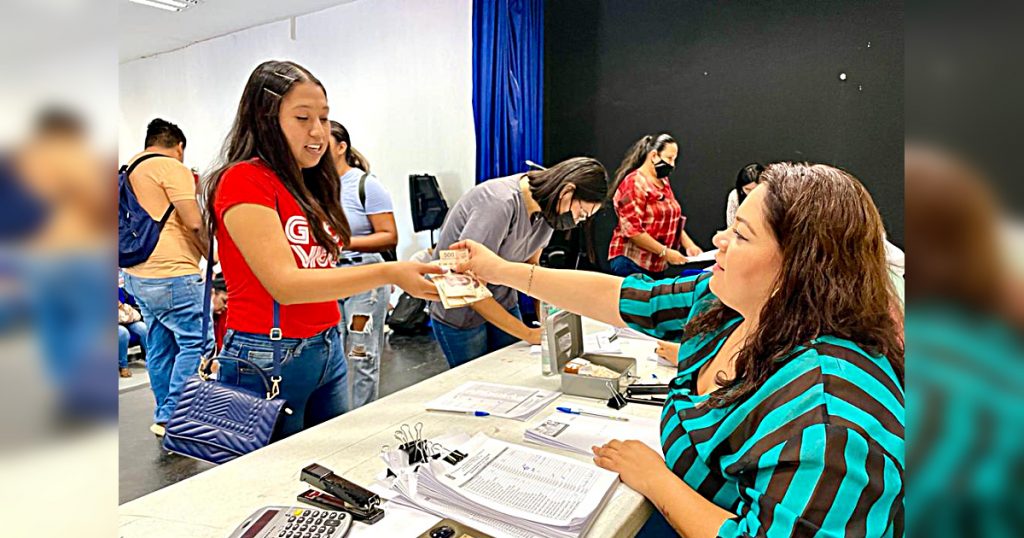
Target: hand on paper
x=637, y=464
x=694, y=251
x=668, y=351
x=486, y=265
x=533, y=336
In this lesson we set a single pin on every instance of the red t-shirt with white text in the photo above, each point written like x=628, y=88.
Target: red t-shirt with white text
x=252, y=307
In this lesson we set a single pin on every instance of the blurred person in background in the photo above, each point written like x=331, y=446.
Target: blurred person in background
x=965, y=355
x=54, y=229
x=168, y=285
x=371, y=217
x=651, y=222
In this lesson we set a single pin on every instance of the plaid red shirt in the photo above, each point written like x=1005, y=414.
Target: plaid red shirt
x=645, y=205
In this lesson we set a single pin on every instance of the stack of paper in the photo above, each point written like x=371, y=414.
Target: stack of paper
x=578, y=433
x=505, y=489
x=505, y=401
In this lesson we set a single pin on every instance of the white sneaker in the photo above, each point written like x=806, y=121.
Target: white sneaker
x=158, y=430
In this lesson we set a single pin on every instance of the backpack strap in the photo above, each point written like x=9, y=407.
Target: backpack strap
x=127, y=171
x=362, y=190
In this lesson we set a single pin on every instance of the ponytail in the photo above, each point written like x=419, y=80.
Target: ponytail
x=352, y=157
x=637, y=154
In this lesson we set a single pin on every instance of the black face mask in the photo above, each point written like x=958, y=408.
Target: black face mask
x=663, y=170
x=563, y=222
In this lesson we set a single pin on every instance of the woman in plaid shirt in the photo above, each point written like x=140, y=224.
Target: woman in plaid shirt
x=651, y=222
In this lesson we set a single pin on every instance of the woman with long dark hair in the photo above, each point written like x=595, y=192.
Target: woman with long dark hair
x=515, y=216
x=371, y=216
x=275, y=208
x=787, y=414
x=651, y=224
x=746, y=180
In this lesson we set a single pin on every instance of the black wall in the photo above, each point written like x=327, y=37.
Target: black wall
x=734, y=82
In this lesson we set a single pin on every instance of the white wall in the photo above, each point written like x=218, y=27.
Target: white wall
x=398, y=75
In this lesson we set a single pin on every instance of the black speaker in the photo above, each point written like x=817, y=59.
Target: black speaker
x=428, y=205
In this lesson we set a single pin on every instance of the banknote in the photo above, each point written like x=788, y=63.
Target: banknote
x=457, y=290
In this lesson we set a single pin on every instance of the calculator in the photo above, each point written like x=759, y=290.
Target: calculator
x=294, y=522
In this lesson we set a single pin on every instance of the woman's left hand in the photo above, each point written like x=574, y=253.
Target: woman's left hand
x=694, y=250
x=637, y=465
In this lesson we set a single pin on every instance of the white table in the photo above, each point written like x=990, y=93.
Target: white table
x=212, y=503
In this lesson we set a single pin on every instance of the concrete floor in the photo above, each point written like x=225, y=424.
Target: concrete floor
x=145, y=468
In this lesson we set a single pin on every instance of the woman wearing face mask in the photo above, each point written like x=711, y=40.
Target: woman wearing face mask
x=746, y=180
x=515, y=217
x=275, y=207
x=651, y=221
x=787, y=415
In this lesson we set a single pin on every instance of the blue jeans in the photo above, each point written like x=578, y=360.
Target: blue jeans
x=124, y=336
x=363, y=347
x=173, y=311
x=314, y=376
x=623, y=266
x=463, y=345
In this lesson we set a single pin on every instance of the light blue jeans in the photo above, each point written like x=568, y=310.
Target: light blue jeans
x=363, y=348
x=173, y=311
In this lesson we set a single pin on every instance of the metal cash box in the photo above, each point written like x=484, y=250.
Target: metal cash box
x=564, y=333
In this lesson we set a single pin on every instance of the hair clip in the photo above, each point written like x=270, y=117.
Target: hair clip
x=272, y=92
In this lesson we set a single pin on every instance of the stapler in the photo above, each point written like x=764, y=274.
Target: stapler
x=340, y=494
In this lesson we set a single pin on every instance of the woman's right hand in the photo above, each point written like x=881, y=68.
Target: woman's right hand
x=410, y=277
x=674, y=257
x=668, y=351
x=484, y=264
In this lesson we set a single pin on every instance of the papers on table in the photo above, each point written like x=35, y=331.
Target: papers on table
x=604, y=342
x=505, y=489
x=577, y=433
x=506, y=401
x=626, y=332
x=707, y=256
x=662, y=361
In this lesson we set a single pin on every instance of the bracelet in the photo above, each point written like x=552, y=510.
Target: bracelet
x=529, y=284
x=664, y=251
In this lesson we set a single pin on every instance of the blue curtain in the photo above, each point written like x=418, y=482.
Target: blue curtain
x=508, y=85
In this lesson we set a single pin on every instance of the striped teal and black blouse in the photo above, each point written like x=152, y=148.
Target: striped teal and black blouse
x=817, y=451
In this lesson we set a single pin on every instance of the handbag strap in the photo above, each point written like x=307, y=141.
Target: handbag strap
x=275, y=331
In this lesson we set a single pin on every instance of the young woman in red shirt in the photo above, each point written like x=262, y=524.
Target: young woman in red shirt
x=275, y=208
x=650, y=228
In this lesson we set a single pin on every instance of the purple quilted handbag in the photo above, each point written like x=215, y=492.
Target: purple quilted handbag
x=217, y=422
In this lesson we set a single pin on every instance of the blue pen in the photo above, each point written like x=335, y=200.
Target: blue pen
x=572, y=411
x=470, y=413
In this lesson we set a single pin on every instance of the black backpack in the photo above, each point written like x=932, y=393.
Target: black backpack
x=137, y=232
x=409, y=317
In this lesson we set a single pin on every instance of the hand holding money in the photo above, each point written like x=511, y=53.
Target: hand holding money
x=457, y=289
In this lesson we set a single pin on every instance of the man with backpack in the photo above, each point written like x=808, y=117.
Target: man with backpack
x=162, y=260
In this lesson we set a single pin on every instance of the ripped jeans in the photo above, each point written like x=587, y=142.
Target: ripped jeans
x=363, y=346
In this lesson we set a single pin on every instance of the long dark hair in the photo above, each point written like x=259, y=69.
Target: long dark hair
x=834, y=279
x=586, y=174
x=352, y=157
x=637, y=153
x=747, y=175
x=256, y=132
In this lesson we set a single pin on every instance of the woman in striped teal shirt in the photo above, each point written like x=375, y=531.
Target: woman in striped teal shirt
x=786, y=417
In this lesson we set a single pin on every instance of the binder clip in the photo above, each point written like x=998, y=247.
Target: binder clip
x=413, y=449
x=339, y=494
x=617, y=401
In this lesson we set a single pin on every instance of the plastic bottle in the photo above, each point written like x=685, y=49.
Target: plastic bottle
x=545, y=312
